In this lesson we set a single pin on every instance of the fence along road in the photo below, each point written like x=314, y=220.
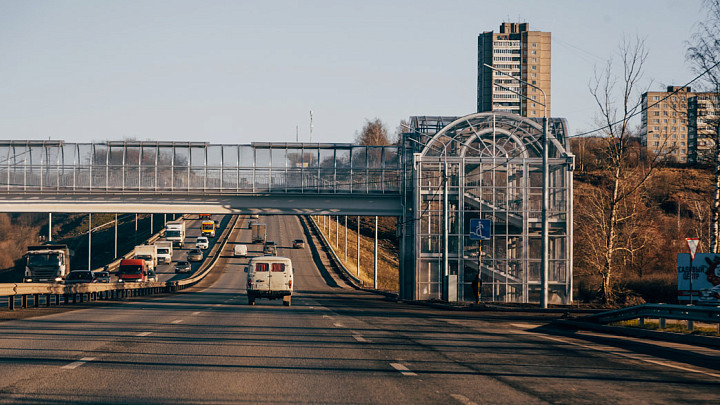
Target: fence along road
x=334, y=344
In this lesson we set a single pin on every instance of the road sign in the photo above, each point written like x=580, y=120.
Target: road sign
x=692, y=244
x=480, y=229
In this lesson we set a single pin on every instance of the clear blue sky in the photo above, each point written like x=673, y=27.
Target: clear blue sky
x=246, y=71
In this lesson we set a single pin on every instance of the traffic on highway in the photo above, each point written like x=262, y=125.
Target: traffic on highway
x=334, y=344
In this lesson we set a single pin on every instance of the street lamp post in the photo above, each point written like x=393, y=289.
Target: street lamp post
x=545, y=185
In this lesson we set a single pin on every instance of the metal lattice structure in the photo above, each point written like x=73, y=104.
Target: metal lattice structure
x=185, y=167
x=489, y=163
x=492, y=163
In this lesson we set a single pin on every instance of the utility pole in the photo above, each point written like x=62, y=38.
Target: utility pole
x=116, y=226
x=90, y=242
x=545, y=184
x=375, y=269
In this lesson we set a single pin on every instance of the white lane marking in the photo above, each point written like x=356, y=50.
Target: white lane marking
x=463, y=399
x=76, y=364
x=608, y=349
x=327, y=316
x=338, y=325
x=141, y=334
x=177, y=321
x=197, y=313
x=360, y=338
x=217, y=305
x=402, y=369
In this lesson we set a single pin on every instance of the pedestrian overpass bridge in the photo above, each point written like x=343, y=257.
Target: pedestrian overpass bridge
x=194, y=177
x=445, y=172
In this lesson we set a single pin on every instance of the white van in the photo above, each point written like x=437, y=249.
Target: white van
x=269, y=277
x=240, y=251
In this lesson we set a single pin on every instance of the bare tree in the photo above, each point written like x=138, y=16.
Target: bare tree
x=704, y=56
x=614, y=206
x=373, y=133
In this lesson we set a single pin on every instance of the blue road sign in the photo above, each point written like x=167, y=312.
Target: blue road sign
x=480, y=229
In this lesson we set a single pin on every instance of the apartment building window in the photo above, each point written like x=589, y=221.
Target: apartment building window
x=533, y=52
x=534, y=45
x=656, y=98
x=656, y=143
x=656, y=128
x=682, y=150
x=665, y=113
x=682, y=143
x=674, y=136
x=665, y=121
x=533, y=75
x=534, y=60
x=534, y=67
x=532, y=112
x=656, y=113
x=656, y=136
x=656, y=121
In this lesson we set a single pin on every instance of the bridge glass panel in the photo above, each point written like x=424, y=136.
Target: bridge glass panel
x=278, y=158
x=197, y=156
x=181, y=169
x=230, y=156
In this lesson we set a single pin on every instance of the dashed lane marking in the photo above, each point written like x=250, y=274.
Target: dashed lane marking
x=402, y=369
x=177, y=321
x=360, y=338
x=463, y=399
x=76, y=364
x=197, y=313
x=338, y=325
x=141, y=334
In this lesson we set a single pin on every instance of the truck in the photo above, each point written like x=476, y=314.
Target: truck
x=164, y=251
x=208, y=228
x=269, y=277
x=132, y=271
x=175, y=233
x=46, y=263
x=259, y=233
x=147, y=253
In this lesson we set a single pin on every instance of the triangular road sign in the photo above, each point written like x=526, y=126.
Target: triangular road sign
x=692, y=244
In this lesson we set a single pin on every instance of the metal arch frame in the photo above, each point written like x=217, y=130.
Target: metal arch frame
x=511, y=275
x=506, y=117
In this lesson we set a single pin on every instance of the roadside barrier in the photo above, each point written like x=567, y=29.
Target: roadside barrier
x=661, y=312
x=46, y=294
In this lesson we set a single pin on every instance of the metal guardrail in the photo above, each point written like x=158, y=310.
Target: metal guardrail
x=690, y=313
x=354, y=279
x=67, y=294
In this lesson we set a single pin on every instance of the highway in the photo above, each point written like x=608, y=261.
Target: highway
x=333, y=345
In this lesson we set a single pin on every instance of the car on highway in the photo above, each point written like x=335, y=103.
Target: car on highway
x=240, y=251
x=151, y=276
x=269, y=277
x=182, y=267
x=202, y=243
x=195, y=255
x=298, y=244
x=80, y=276
x=270, y=248
x=102, y=276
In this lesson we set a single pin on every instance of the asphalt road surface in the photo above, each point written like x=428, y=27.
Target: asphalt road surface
x=333, y=345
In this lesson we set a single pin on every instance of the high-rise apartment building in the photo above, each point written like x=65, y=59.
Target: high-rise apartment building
x=665, y=128
x=523, y=54
x=679, y=124
x=703, y=116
